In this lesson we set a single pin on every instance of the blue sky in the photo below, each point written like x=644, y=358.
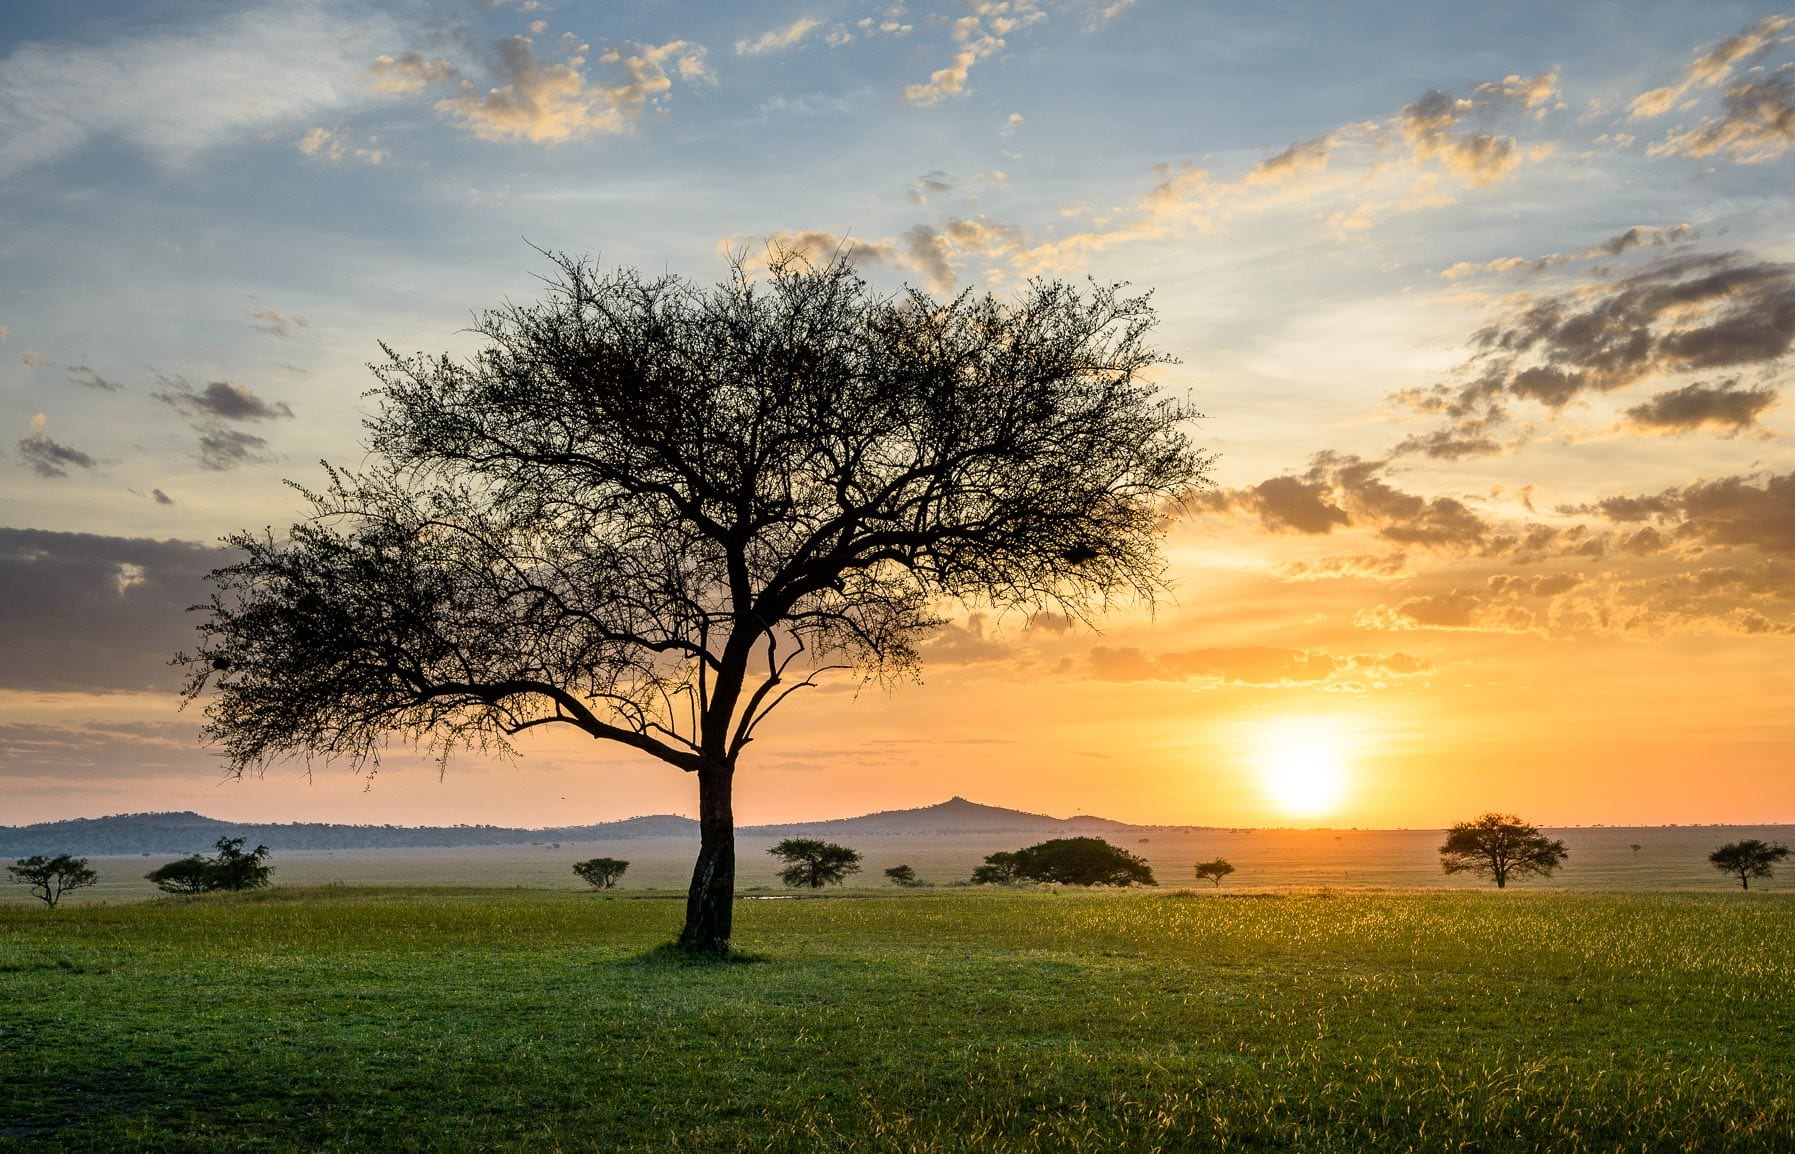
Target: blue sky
x=211, y=215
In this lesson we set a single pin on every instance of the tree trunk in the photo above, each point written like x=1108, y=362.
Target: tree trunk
x=710, y=903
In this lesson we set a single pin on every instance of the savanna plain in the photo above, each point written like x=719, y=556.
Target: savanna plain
x=541, y=1017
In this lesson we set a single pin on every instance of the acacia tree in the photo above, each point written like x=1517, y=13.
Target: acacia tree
x=1073, y=861
x=1500, y=846
x=601, y=872
x=51, y=877
x=651, y=511
x=1214, y=870
x=1748, y=859
x=812, y=864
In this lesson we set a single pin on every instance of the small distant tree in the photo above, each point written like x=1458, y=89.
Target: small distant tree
x=1635, y=847
x=231, y=869
x=811, y=864
x=1075, y=861
x=902, y=875
x=1748, y=859
x=1214, y=871
x=51, y=877
x=601, y=872
x=1500, y=846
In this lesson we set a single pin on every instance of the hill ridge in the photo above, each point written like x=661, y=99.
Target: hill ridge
x=185, y=831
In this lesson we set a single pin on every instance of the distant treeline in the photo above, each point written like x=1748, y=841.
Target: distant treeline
x=139, y=833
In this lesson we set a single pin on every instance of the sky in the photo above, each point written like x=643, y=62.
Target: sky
x=1488, y=308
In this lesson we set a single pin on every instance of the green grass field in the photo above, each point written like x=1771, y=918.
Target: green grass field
x=401, y=1019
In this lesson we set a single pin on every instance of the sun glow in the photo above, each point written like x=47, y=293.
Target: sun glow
x=1302, y=765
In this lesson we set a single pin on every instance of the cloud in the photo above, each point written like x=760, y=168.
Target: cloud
x=542, y=101
x=33, y=358
x=1712, y=68
x=1536, y=585
x=48, y=458
x=978, y=37
x=1638, y=236
x=286, y=326
x=1683, y=314
x=1456, y=609
x=1365, y=566
x=927, y=185
x=939, y=252
x=779, y=39
x=1478, y=158
x=1731, y=511
x=966, y=644
x=173, y=95
x=88, y=379
x=222, y=449
x=1258, y=665
x=97, y=614
x=409, y=73
x=816, y=246
x=1724, y=408
x=1756, y=123
x=221, y=400
x=4, y=333
x=333, y=147
x=1341, y=490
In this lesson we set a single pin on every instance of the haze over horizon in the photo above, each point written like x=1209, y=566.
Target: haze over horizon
x=1490, y=315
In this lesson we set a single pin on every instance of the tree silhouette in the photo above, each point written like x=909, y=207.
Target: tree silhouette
x=812, y=864
x=1500, y=846
x=1215, y=870
x=1748, y=859
x=51, y=877
x=651, y=511
x=902, y=875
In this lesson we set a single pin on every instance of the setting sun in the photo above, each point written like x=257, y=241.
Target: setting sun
x=1301, y=765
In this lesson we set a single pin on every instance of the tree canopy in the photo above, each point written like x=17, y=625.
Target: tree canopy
x=1214, y=871
x=1500, y=846
x=1747, y=859
x=601, y=872
x=1076, y=861
x=51, y=877
x=230, y=869
x=650, y=511
x=813, y=864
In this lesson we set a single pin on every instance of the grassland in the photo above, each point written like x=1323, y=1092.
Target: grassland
x=335, y=1018
x=1602, y=859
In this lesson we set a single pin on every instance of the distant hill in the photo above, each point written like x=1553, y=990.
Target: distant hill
x=188, y=832
x=955, y=815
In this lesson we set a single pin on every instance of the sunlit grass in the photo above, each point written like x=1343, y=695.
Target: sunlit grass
x=353, y=1019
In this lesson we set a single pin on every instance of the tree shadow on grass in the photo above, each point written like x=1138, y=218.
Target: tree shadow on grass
x=668, y=955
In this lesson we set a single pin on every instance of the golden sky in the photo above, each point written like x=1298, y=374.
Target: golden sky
x=1490, y=314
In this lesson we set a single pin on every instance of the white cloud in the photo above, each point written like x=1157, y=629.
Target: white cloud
x=173, y=95
x=779, y=39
